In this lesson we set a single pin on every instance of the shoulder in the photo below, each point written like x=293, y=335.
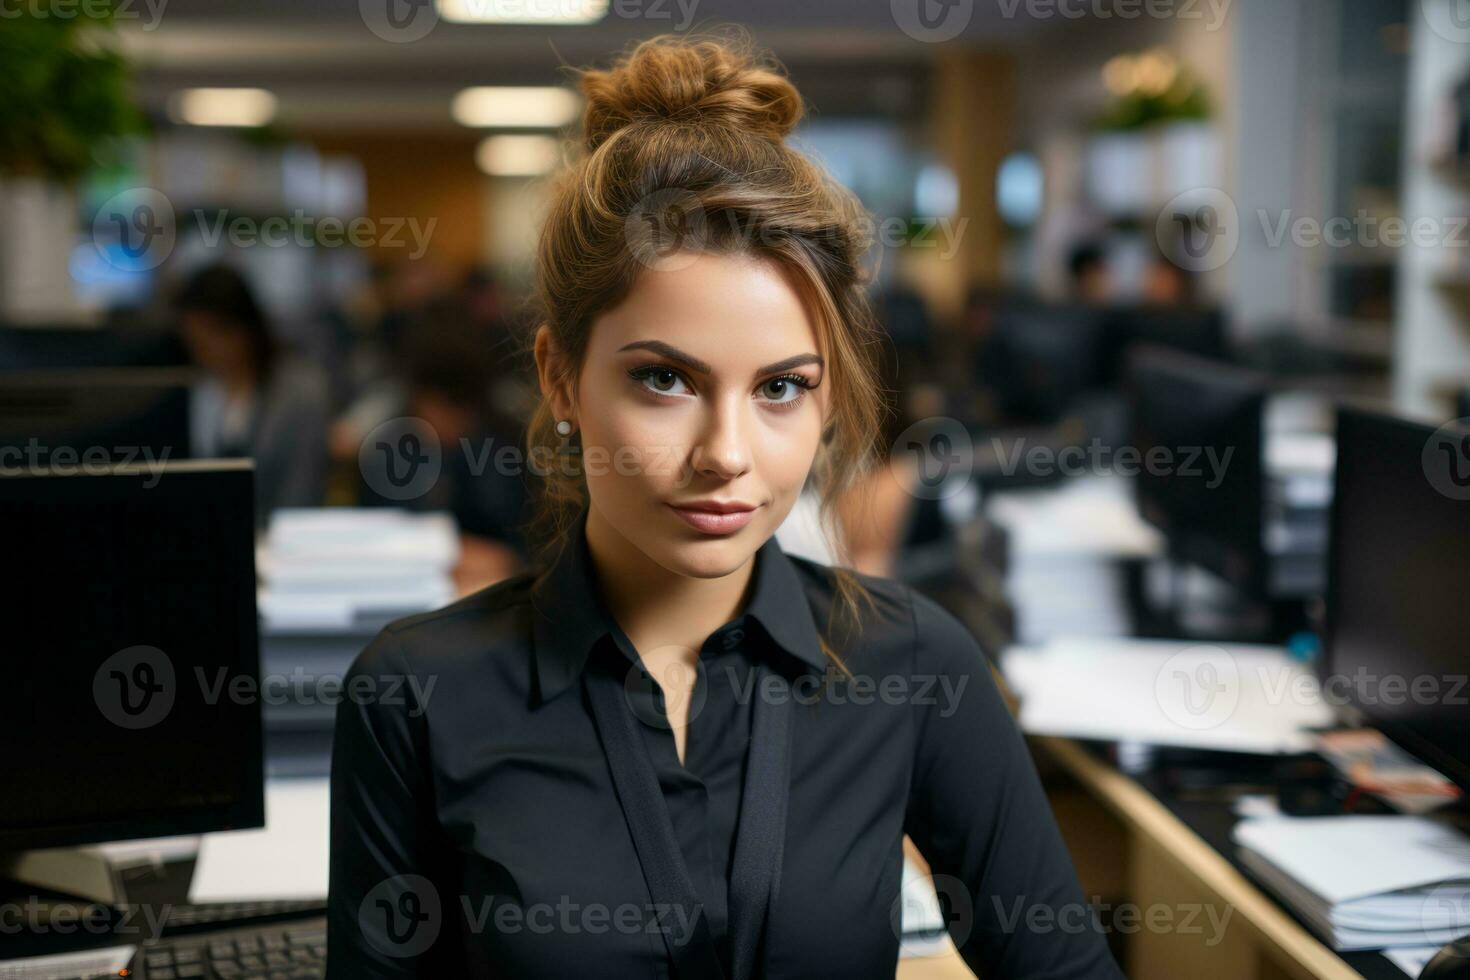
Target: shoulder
x=892, y=600
x=897, y=624
x=935, y=639
x=493, y=619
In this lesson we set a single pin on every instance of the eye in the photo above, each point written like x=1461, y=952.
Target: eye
x=786, y=389
x=660, y=380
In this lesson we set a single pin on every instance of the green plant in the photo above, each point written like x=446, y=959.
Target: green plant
x=67, y=92
x=1149, y=89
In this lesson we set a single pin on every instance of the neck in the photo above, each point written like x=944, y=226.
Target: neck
x=655, y=607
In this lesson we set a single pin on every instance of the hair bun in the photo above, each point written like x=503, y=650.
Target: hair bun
x=706, y=82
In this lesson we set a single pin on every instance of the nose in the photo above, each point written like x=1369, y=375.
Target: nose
x=723, y=447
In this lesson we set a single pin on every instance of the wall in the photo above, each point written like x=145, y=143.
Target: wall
x=424, y=177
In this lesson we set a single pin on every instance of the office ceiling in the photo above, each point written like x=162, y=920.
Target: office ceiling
x=332, y=72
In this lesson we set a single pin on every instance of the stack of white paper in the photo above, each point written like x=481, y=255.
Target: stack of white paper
x=1365, y=882
x=1065, y=545
x=1224, y=696
x=326, y=568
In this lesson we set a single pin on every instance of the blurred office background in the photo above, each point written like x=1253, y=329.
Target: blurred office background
x=302, y=230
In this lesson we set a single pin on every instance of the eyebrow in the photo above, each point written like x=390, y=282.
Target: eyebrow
x=695, y=364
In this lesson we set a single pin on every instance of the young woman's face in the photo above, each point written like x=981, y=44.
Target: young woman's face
x=702, y=391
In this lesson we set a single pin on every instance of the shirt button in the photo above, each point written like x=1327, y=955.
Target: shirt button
x=732, y=639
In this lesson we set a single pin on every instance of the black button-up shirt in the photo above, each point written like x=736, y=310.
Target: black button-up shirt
x=476, y=830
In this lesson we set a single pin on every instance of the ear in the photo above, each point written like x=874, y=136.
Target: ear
x=553, y=376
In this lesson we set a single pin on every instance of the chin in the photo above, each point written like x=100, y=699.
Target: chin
x=711, y=557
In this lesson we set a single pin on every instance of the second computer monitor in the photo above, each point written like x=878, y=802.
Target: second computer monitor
x=58, y=419
x=1198, y=429
x=1399, y=577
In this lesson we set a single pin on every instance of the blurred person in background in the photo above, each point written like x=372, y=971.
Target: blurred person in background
x=254, y=399
x=1166, y=283
x=1088, y=275
x=875, y=516
x=1168, y=280
x=403, y=300
x=905, y=318
x=449, y=371
x=480, y=304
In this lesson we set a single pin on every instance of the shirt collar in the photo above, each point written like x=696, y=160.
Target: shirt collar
x=570, y=617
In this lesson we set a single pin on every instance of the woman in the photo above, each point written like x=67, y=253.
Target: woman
x=253, y=400
x=674, y=750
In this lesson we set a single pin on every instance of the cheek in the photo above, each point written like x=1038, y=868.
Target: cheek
x=786, y=448
x=629, y=442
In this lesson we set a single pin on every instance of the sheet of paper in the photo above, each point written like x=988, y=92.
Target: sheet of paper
x=1389, y=853
x=1411, y=959
x=287, y=859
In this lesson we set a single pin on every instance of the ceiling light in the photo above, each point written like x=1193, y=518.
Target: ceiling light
x=522, y=11
x=489, y=106
x=223, y=107
x=517, y=156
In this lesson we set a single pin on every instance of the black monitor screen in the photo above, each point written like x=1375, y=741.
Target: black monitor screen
x=1042, y=359
x=1399, y=577
x=132, y=662
x=58, y=347
x=63, y=419
x=1197, y=425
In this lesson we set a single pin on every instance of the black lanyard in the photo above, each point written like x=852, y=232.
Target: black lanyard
x=760, y=835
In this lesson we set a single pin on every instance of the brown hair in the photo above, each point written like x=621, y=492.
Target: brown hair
x=686, y=137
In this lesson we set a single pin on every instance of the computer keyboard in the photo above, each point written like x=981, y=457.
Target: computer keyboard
x=295, y=950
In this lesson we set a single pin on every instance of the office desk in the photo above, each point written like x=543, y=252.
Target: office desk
x=945, y=966
x=1125, y=836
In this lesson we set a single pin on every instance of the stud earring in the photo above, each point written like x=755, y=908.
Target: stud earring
x=568, y=450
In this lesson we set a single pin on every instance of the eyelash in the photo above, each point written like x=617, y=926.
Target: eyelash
x=644, y=372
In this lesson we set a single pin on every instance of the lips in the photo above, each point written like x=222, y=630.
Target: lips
x=715, y=517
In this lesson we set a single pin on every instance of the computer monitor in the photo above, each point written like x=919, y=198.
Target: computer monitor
x=1198, y=330
x=1203, y=422
x=1398, y=575
x=121, y=415
x=1041, y=359
x=70, y=347
x=132, y=664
